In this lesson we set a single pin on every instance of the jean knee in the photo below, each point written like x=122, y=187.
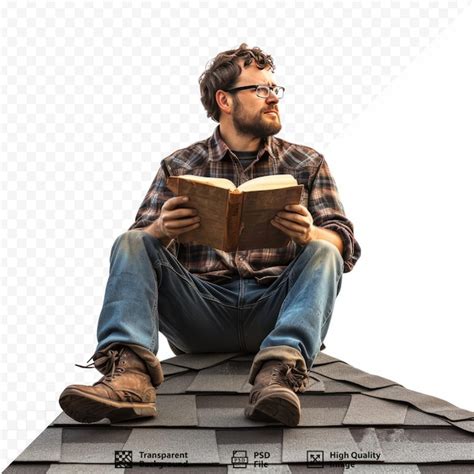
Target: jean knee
x=136, y=236
x=134, y=239
x=323, y=251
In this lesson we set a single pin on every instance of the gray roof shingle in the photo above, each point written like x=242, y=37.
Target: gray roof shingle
x=365, y=410
x=350, y=415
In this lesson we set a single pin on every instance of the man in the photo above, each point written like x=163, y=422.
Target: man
x=276, y=303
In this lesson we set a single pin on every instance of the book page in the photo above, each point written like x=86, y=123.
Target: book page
x=276, y=181
x=217, y=182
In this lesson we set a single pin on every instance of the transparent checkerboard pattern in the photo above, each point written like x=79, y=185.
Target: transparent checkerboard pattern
x=94, y=95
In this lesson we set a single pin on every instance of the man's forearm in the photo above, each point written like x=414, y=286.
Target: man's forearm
x=319, y=233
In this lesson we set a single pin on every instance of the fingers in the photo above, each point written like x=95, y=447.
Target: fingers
x=176, y=219
x=174, y=202
x=180, y=223
x=292, y=217
x=290, y=228
x=182, y=230
x=297, y=237
x=173, y=209
x=298, y=208
x=180, y=213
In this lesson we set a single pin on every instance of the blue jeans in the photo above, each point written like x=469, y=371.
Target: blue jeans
x=148, y=290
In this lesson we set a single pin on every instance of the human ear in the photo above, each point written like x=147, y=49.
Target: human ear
x=224, y=101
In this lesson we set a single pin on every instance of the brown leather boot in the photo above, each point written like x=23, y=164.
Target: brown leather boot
x=123, y=393
x=273, y=396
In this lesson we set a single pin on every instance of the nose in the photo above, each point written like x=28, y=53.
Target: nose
x=272, y=98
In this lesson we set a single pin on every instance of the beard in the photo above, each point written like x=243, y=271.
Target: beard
x=258, y=126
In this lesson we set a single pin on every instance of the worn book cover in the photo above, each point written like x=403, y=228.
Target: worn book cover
x=237, y=218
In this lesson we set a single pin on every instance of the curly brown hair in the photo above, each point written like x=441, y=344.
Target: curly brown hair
x=223, y=71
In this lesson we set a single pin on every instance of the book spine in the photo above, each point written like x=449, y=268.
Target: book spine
x=172, y=183
x=234, y=211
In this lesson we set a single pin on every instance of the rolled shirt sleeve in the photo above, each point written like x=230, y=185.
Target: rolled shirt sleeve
x=327, y=210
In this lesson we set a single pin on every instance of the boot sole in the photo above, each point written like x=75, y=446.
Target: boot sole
x=87, y=408
x=274, y=409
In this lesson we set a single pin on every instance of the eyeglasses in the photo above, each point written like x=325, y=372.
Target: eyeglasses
x=262, y=91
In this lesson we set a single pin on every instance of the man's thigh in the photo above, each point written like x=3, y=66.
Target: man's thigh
x=301, y=284
x=259, y=317
x=196, y=315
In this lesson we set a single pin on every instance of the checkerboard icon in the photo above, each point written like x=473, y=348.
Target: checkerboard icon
x=123, y=459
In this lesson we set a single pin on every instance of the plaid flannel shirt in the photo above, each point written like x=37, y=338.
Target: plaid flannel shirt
x=212, y=157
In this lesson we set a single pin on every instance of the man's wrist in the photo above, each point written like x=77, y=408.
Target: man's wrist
x=311, y=236
x=154, y=232
x=149, y=229
x=319, y=233
x=314, y=233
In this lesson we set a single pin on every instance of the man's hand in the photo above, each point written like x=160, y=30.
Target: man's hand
x=296, y=222
x=174, y=219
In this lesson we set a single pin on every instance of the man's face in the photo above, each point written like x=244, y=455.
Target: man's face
x=251, y=114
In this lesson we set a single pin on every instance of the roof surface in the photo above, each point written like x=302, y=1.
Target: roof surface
x=350, y=420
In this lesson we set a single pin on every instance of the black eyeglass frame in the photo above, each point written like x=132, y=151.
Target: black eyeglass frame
x=256, y=86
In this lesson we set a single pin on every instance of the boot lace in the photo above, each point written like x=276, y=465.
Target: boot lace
x=107, y=363
x=285, y=374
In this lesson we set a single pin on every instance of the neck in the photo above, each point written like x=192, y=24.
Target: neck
x=236, y=141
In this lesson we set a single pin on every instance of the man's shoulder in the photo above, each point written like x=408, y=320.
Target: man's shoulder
x=196, y=155
x=296, y=155
x=190, y=157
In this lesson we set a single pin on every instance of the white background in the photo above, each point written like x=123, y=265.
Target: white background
x=93, y=96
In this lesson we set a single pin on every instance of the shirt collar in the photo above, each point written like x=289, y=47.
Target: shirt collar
x=218, y=148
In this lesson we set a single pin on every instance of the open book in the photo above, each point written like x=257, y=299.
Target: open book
x=237, y=218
